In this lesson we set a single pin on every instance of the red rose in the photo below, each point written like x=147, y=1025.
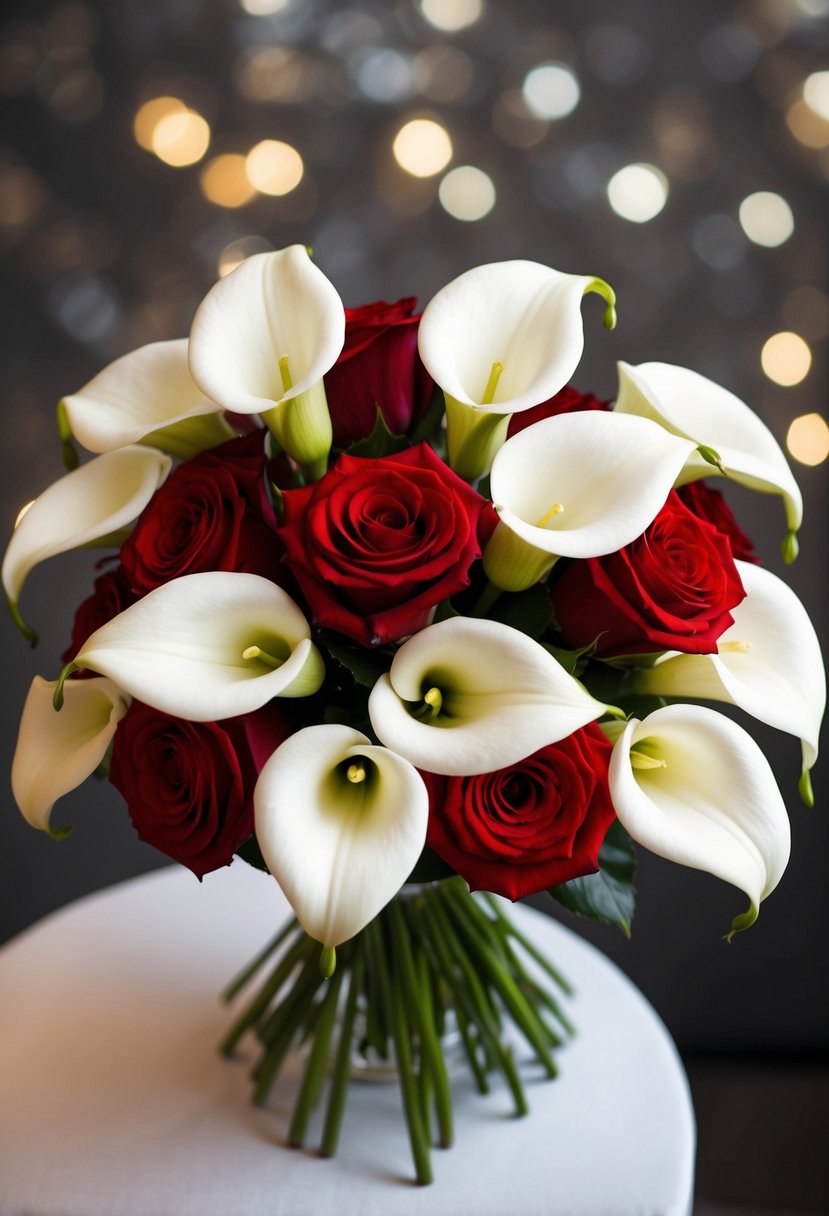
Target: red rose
x=212, y=513
x=188, y=786
x=376, y=544
x=111, y=595
x=567, y=401
x=528, y=827
x=710, y=505
x=671, y=589
x=379, y=367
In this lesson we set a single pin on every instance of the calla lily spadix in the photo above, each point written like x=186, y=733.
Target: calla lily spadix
x=207, y=646
x=341, y=824
x=468, y=696
x=576, y=485
x=86, y=505
x=691, y=405
x=56, y=752
x=500, y=339
x=768, y=663
x=692, y=786
x=262, y=340
x=146, y=396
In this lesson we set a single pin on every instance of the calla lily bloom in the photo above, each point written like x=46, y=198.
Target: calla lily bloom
x=341, y=823
x=469, y=696
x=208, y=646
x=692, y=786
x=56, y=752
x=87, y=505
x=576, y=485
x=261, y=342
x=500, y=339
x=688, y=404
x=768, y=663
x=146, y=396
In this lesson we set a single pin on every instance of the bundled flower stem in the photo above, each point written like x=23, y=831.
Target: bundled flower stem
x=435, y=964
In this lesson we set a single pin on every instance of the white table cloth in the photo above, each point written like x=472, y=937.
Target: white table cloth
x=114, y=1102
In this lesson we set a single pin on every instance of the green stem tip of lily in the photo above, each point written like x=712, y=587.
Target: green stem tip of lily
x=29, y=634
x=607, y=293
x=328, y=961
x=790, y=548
x=66, y=672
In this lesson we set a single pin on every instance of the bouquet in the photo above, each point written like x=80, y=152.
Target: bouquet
x=396, y=614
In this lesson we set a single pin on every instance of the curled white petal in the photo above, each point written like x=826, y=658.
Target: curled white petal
x=145, y=391
x=709, y=800
x=180, y=648
x=95, y=500
x=521, y=314
x=768, y=663
x=502, y=696
x=273, y=305
x=689, y=404
x=340, y=849
x=585, y=484
x=57, y=751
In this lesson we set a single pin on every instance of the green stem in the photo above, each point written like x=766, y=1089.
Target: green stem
x=244, y=977
x=419, y=1002
x=395, y=1016
x=476, y=1068
x=282, y=1026
x=342, y=1064
x=254, y=1011
x=317, y=1062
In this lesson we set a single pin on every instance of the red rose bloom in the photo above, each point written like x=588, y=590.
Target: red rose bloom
x=188, y=786
x=111, y=595
x=379, y=367
x=567, y=401
x=709, y=504
x=671, y=589
x=528, y=827
x=376, y=544
x=212, y=513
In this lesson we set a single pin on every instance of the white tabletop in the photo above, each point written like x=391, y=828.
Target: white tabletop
x=114, y=1102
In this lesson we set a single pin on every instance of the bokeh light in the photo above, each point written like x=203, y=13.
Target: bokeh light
x=808, y=439
x=638, y=192
x=816, y=93
x=766, y=219
x=551, y=90
x=274, y=167
x=263, y=8
x=467, y=193
x=806, y=125
x=422, y=147
x=786, y=358
x=224, y=181
x=451, y=15
x=235, y=253
x=180, y=137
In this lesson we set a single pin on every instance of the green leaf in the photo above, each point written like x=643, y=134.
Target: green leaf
x=250, y=852
x=573, y=661
x=430, y=428
x=530, y=611
x=380, y=442
x=365, y=665
x=608, y=895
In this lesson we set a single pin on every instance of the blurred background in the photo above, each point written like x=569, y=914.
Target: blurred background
x=679, y=151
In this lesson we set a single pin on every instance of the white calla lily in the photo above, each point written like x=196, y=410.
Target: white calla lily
x=91, y=503
x=499, y=339
x=768, y=663
x=468, y=696
x=148, y=396
x=688, y=404
x=57, y=751
x=341, y=824
x=208, y=646
x=261, y=341
x=693, y=787
x=576, y=485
